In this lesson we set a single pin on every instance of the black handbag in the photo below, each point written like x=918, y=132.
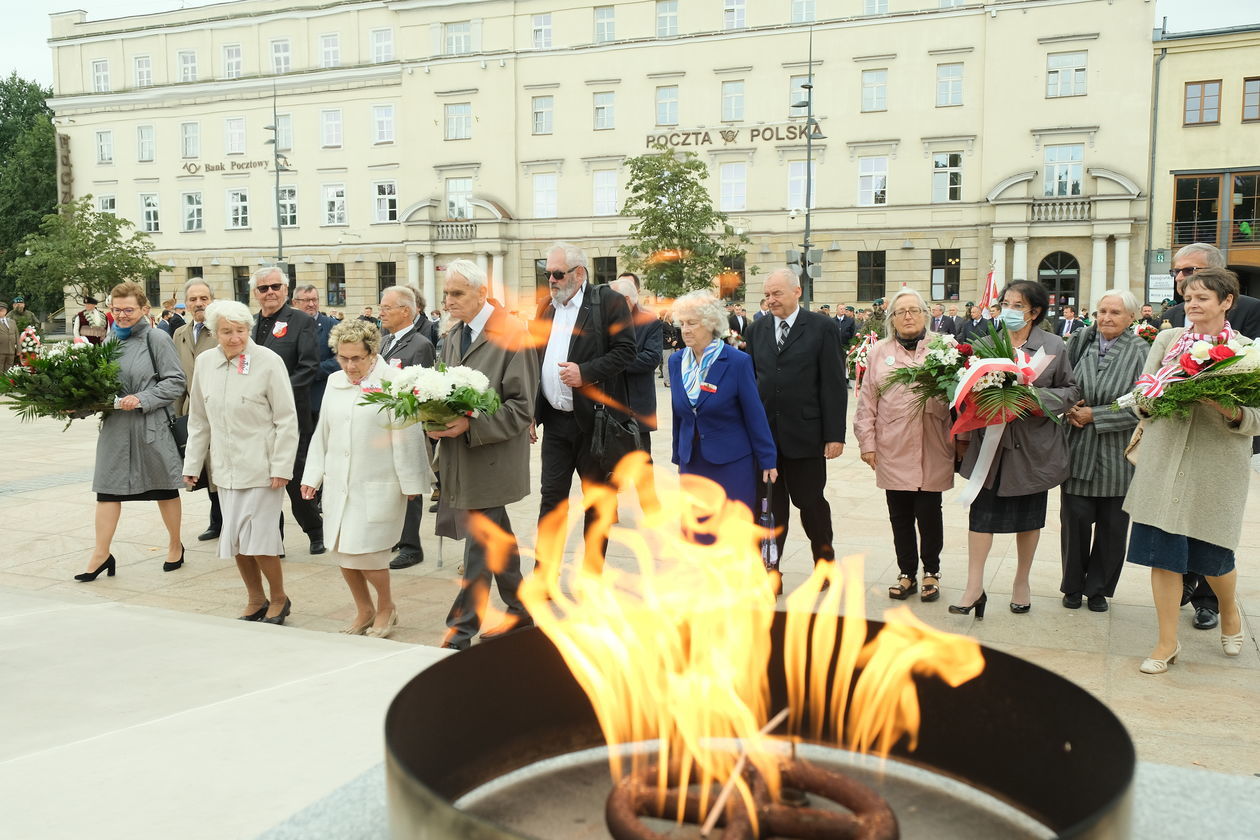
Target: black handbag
x=179, y=430
x=611, y=439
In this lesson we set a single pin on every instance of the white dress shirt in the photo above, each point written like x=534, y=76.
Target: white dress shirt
x=562, y=325
x=394, y=339
x=791, y=322
x=478, y=323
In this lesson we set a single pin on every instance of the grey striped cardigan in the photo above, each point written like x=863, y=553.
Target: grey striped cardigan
x=1096, y=452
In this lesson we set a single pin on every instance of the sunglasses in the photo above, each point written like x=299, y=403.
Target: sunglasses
x=1190, y=269
x=273, y=287
x=557, y=274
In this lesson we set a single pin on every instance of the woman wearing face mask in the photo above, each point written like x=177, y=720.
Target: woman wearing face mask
x=1031, y=459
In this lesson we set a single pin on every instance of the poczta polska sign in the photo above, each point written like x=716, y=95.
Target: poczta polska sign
x=727, y=136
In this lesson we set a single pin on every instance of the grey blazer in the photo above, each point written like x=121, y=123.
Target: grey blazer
x=1098, y=465
x=412, y=349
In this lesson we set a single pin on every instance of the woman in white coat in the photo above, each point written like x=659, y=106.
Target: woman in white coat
x=368, y=473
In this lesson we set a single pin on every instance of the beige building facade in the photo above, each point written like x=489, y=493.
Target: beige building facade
x=953, y=137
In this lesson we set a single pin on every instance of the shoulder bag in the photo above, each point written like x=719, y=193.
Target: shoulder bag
x=177, y=425
x=611, y=439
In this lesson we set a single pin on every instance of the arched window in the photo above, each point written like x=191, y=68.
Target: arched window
x=1060, y=273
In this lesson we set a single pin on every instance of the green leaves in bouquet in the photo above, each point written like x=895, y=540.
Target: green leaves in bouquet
x=69, y=385
x=1016, y=400
x=401, y=406
x=1240, y=390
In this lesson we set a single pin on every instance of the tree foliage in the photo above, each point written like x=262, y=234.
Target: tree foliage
x=28, y=176
x=678, y=241
x=82, y=250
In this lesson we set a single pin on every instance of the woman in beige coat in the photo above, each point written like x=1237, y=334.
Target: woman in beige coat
x=908, y=446
x=368, y=473
x=241, y=418
x=1188, y=492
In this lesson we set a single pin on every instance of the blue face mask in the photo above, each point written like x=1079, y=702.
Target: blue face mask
x=122, y=332
x=1012, y=319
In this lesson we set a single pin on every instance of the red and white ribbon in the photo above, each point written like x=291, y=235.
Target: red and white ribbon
x=1152, y=385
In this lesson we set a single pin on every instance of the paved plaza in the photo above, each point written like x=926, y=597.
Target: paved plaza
x=136, y=706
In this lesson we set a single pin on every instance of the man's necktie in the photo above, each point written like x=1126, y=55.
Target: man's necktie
x=465, y=340
x=389, y=348
x=783, y=333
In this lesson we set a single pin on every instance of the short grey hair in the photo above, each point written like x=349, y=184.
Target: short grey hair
x=1127, y=299
x=406, y=297
x=890, y=304
x=234, y=312
x=197, y=281
x=787, y=274
x=1212, y=254
x=573, y=256
x=704, y=306
x=306, y=287
x=625, y=286
x=262, y=273
x=469, y=270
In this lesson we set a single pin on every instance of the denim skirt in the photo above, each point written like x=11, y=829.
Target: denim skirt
x=1149, y=546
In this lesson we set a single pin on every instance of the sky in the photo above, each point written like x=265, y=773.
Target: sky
x=23, y=47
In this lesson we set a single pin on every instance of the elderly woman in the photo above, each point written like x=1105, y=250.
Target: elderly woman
x=368, y=481
x=136, y=456
x=1190, y=486
x=908, y=447
x=1031, y=459
x=720, y=427
x=1107, y=358
x=241, y=417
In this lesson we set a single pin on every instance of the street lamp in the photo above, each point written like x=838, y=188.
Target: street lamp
x=810, y=260
x=280, y=164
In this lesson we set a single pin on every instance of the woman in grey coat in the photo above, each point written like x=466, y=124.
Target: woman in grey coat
x=136, y=456
x=1107, y=358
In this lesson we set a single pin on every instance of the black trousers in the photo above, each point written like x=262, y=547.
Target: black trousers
x=464, y=618
x=1093, y=534
x=802, y=480
x=906, y=510
x=1203, y=597
x=216, y=512
x=565, y=451
x=410, y=539
x=305, y=512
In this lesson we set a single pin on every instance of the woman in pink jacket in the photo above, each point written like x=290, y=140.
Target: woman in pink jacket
x=908, y=446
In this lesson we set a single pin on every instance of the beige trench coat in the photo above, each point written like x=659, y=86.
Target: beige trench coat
x=188, y=353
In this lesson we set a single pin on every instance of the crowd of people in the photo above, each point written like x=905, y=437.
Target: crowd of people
x=270, y=404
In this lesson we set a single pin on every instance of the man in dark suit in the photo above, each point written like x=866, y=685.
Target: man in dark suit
x=580, y=367
x=738, y=321
x=306, y=298
x=641, y=378
x=762, y=311
x=942, y=323
x=403, y=347
x=800, y=376
x=1068, y=323
x=292, y=335
x=846, y=322
x=423, y=324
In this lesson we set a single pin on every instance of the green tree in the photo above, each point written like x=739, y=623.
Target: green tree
x=678, y=242
x=84, y=251
x=28, y=174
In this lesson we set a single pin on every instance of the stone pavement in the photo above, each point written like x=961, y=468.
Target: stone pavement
x=1199, y=715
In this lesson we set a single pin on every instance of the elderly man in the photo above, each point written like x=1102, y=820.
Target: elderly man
x=585, y=340
x=641, y=378
x=292, y=334
x=8, y=338
x=846, y=323
x=306, y=298
x=941, y=323
x=485, y=460
x=800, y=376
x=191, y=340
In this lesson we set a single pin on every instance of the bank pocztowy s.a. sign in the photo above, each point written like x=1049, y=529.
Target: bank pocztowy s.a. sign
x=196, y=167
x=727, y=136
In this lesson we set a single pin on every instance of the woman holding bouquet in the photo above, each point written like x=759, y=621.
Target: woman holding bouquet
x=1190, y=486
x=908, y=447
x=368, y=481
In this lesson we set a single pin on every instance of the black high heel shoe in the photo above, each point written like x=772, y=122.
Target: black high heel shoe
x=170, y=567
x=279, y=619
x=1020, y=609
x=108, y=566
x=977, y=605
x=257, y=615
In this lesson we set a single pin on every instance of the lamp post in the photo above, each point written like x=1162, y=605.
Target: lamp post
x=810, y=260
x=280, y=164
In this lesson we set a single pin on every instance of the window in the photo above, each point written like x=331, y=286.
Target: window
x=946, y=271
x=542, y=32
x=194, y=272
x=1203, y=103
x=458, y=193
x=383, y=123
x=150, y=219
x=874, y=90
x=100, y=76
x=545, y=190
x=734, y=274
x=105, y=147
x=238, y=209
x=667, y=105
x=144, y=143
x=1065, y=74
x=458, y=37
x=1196, y=209
x=946, y=177
x=334, y=204
x=732, y=101
x=187, y=65
x=232, y=61
x=386, y=201
x=875, y=7
x=386, y=276
x=1063, y=169
x=870, y=274
x=802, y=11
x=192, y=212
x=733, y=14
x=330, y=128
x=329, y=50
x=234, y=136
x=241, y=284
x=666, y=18
x=284, y=132
x=797, y=92
x=605, y=25
x=336, y=284
x=143, y=71
x=797, y=184
x=605, y=270
x=605, y=111
x=107, y=204
x=733, y=186
x=541, y=109
x=949, y=85
x=872, y=180
x=1244, y=223
x=153, y=285
x=190, y=140
x=1251, y=100
x=281, y=58
x=459, y=121
x=286, y=206
x=382, y=41
x=605, y=192
x=1060, y=273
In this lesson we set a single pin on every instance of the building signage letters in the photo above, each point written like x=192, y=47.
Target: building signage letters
x=197, y=167
x=764, y=133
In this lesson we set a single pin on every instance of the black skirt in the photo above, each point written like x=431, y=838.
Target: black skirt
x=994, y=514
x=146, y=496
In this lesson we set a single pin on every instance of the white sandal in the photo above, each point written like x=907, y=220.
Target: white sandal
x=1232, y=644
x=1159, y=666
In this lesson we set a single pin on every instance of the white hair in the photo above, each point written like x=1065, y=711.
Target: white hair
x=891, y=304
x=573, y=255
x=234, y=312
x=1126, y=298
x=469, y=270
x=406, y=297
x=262, y=273
x=787, y=274
x=706, y=307
x=197, y=281
x=625, y=286
x=1211, y=254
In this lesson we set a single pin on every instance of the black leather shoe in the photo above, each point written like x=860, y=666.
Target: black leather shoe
x=1205, y=619
x=456, y=645
x=433, y=507
x=1098, y=603
x=1072, y=600
x=406, y=559
x=284, y=613
x=208, y=534
x=1187, y=592
x=395, y=547
x=317, y=545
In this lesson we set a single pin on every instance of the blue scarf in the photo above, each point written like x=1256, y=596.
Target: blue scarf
x=123, y=333
x=693, y=372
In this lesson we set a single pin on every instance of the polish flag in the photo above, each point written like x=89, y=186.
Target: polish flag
x=990, y=292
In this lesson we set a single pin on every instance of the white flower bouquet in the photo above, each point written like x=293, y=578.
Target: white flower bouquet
x=433, y=396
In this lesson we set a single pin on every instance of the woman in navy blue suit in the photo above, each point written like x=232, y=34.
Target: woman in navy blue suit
x=720, y=427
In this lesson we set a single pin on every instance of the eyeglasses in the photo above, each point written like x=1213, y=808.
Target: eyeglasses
x=123, y=313
x=272, y=287
x=902, y=313
x=559, y=275
x=389, y=307
x=1189, y=269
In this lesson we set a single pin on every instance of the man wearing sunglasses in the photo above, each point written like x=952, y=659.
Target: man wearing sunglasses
x=581, y=367
x=292, y=335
